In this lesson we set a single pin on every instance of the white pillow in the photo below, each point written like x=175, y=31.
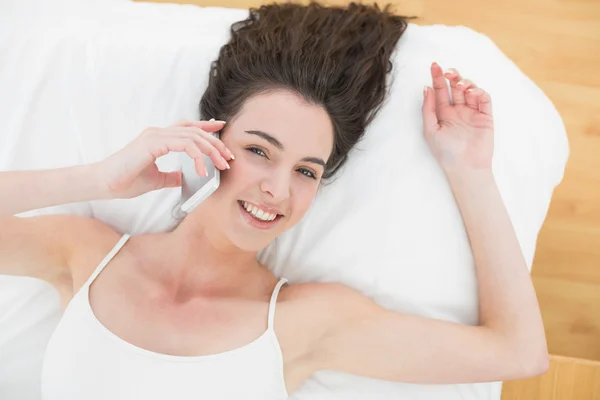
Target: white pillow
x=75, y=88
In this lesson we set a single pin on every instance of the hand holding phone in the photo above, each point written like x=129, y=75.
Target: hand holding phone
x=196, y=188
x=132, y=171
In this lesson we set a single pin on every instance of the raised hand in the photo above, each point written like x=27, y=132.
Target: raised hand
x=132, y=171
x=460, y=132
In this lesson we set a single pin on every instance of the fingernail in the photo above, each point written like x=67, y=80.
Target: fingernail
x=227, y=164
x=461, y=83
x=231, y=154
x=205, y=172
x=212, y=119
x=425, y=91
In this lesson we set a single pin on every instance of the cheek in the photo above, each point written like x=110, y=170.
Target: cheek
x=240, y=175
x=303, y=194
x=244, y=178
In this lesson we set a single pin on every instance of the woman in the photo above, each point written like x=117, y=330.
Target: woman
x=191, y=313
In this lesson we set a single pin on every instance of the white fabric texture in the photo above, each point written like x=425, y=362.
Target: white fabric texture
x=85, y=360
x=76, y=86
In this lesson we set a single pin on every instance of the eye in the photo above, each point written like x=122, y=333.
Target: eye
x=257, y=151
x=307, y=173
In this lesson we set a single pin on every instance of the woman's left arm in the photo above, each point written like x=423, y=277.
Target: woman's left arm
x=377, y=343
x=364, y=339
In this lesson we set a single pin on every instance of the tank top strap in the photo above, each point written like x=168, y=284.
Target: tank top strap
x=108, y=258
x=273, y=302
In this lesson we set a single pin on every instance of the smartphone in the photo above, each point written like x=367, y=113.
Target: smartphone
x=197, y=188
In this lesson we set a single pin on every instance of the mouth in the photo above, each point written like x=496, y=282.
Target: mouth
x=258, y=218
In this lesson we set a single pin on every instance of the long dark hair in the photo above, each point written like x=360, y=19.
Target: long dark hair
x=334, y=57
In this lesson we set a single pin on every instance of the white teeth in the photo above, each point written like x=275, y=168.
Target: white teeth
x=259, y=214
x=270, y=217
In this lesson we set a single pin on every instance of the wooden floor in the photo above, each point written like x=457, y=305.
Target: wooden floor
x=557, y=44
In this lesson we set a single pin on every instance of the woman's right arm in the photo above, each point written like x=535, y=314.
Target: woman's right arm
x=40, y=247
x=29, y=190
x=43, y=246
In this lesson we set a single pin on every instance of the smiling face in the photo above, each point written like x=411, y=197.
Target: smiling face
x=281, y=144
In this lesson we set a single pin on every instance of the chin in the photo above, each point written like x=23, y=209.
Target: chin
x=249, y=233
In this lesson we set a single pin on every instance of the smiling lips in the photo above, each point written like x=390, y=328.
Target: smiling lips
x=258, y=216
x=263, y=215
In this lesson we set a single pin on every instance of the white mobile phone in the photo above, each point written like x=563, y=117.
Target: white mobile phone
x=196, y=188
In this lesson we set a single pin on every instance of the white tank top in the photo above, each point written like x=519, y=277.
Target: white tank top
x=84, y=360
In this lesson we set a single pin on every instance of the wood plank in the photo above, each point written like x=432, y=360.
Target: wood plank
x=566, y=379
x=571, y=318
x=404, y=7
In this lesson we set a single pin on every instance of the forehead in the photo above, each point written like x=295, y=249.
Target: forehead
x=301, y=127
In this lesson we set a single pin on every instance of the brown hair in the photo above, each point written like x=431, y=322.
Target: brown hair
x=334, y=57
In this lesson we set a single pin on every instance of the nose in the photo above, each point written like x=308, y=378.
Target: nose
x=277, y=185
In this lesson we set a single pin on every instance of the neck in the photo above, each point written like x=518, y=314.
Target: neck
x=194, y=259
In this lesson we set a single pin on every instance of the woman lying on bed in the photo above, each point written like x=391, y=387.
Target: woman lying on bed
x=190, y=314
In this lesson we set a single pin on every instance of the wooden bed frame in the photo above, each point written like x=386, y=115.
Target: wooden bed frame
x=404, y=7
x=567, y=378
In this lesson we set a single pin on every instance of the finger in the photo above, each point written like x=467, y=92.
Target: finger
x=202, y=140
x=197, y=127
x=215, y=141
x=207, y=148
x=170, y=179
x=430, y=120
x=194, y=152
x=166, y=144
x=472, y=94
x=485, y=103
x=208, y=126
x=465, y=84
x=200, y=166
x=442, y=96
x=458, y=96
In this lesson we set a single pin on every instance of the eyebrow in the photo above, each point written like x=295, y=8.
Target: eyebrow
x=271, y=139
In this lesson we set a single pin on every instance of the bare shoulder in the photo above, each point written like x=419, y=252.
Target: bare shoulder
x=55, y=248
x=310, y=312
x=88, y=241
x=318, y=307
x=79, y=225
x=83, y=240
x=326, y=297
